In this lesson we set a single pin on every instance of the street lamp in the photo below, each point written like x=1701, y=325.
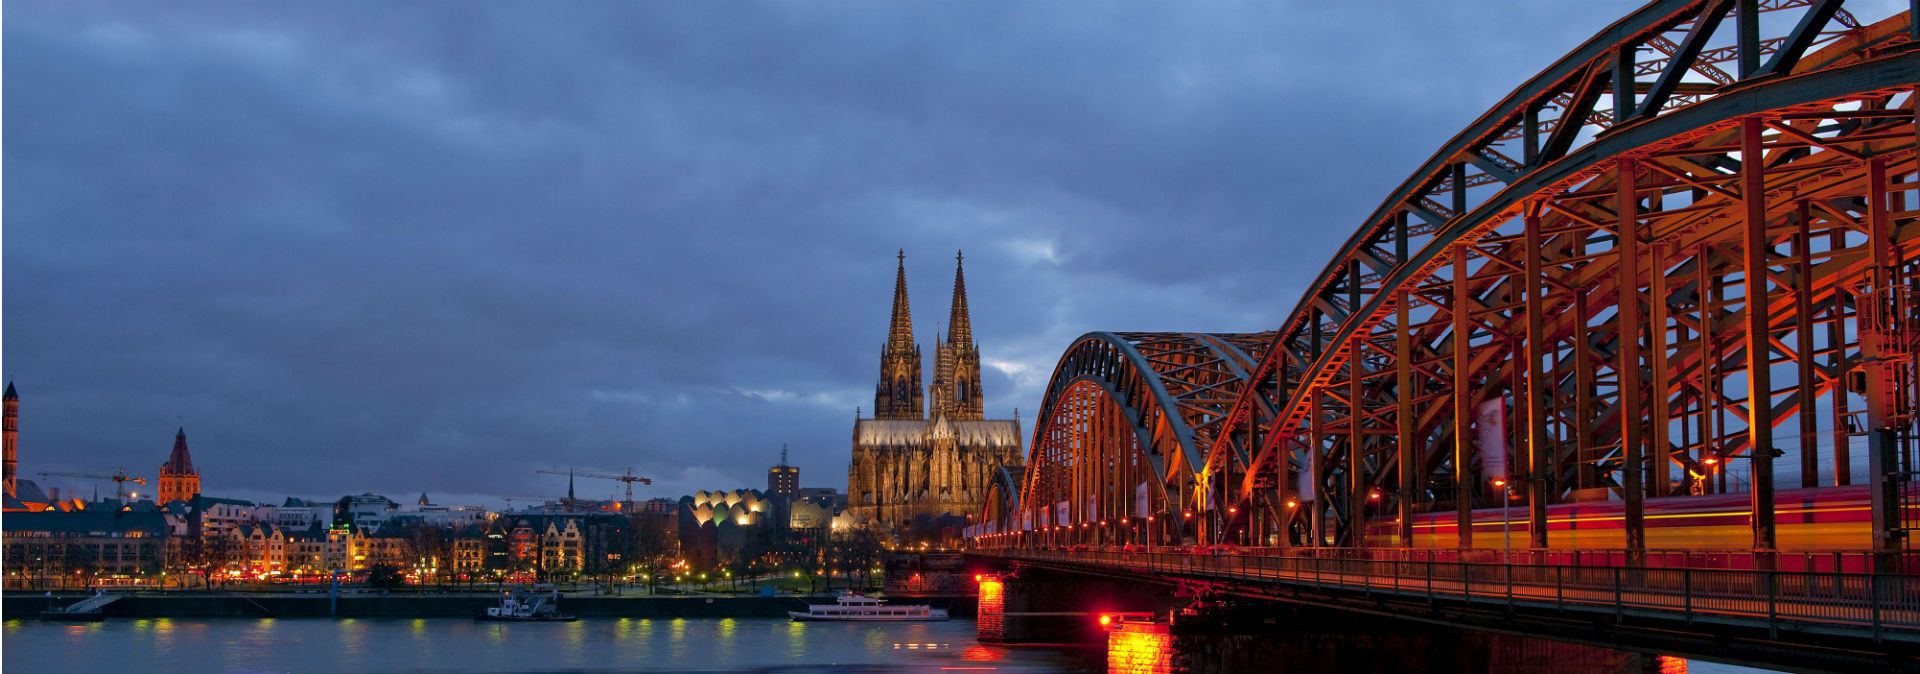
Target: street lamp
x=1506, y=523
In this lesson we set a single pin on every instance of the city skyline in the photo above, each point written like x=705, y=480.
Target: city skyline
x=419, y=245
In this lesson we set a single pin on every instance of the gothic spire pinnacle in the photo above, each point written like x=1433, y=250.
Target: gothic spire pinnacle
x=900, y=335
x=179, y=461
x=959, y=325
x=783, y=455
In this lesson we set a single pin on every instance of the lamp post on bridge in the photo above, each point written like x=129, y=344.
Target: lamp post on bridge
x=1506, y=522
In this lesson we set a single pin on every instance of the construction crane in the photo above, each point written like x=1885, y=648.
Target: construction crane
x=629, y=478
x=119, y=478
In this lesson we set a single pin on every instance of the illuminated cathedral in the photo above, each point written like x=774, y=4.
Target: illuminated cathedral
x=927, y=454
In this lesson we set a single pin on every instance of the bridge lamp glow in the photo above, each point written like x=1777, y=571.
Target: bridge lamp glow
x=1106, y=620
x=1233, y=510
x=1292, y=503
x=1188, y=514
x=1499, y=482
x=1373, y=494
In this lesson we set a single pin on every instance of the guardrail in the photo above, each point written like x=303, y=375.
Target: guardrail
x=1877, y=605
x=1823, y=561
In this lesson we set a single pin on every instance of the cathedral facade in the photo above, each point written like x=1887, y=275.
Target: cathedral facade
x=927, y=453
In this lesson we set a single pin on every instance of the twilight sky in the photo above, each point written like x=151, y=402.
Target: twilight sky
x=435, y=246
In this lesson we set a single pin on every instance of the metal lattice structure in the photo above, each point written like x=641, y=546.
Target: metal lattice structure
x=1126, y=420
x=1681, y=259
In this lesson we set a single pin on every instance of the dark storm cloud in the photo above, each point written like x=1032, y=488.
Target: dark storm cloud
x=397, y=247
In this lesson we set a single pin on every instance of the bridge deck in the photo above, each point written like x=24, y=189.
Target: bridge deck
x=1872, y=606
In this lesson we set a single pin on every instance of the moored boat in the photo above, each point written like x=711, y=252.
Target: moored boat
x=90, y=609
x=854, y=607
x=539, y=605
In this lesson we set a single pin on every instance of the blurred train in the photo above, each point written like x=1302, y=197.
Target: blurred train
x=1819, y=520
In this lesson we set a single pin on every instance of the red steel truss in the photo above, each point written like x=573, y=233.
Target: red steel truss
x=1681, y=261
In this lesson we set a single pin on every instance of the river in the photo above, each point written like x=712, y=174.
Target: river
x=761, y=645
x=205, y=646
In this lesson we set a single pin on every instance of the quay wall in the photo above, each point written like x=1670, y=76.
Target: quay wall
x=247, y=605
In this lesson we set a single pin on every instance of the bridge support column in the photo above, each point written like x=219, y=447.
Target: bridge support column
x=1462, y=400
x=1886, y=469
x=1627, y=320
x=1412, y=462
x=1753, y=200
x=1538, y=387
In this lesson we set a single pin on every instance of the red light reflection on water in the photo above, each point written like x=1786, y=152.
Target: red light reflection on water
x=982, y=654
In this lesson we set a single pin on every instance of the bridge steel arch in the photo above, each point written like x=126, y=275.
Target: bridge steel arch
x=1591, y=258
x=1125, y=419
x=1617, y=188
x=1002, y=503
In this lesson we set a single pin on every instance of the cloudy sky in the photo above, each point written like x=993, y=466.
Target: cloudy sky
x=435, y=246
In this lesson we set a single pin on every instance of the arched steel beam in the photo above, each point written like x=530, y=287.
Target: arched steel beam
x=1175, y=386
x=1898, y=71
x=1002, y=500
x=1540, y=121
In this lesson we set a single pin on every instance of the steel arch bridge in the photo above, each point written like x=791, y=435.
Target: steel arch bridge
x=1682, y=262
x=1125, y=424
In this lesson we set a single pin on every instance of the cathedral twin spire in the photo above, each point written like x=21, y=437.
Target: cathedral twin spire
x=956, y=391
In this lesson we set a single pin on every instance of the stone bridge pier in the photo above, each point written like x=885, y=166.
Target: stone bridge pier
x=1024, y=604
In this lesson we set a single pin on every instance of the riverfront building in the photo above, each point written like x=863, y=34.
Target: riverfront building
x=916, y=460
x=55, y=543
x=783, y=480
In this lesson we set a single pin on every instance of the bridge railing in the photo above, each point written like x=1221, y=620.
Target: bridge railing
x=1811, y=561
x=1882, y=605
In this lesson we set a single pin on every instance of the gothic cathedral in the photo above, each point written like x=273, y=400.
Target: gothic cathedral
x=931, y=455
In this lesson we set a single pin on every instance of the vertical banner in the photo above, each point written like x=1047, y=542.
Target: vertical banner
x=1140, y=500
x=1490, y=433
x=1093, y=508
x=1063, y=512
x=1303, y=488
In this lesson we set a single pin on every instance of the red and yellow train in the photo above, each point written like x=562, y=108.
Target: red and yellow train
x=1825, y=521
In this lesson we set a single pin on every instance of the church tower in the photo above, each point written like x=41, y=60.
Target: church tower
x=178, y=480
x=956, y=378
x=11, y=438
x=898, y=395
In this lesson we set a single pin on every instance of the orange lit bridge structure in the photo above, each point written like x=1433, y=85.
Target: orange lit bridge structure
x=1631, y=358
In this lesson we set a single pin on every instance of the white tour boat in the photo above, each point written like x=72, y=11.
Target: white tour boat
x=861, y=608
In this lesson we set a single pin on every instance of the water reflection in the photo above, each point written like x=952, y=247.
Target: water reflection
x=1154, y=648
x=453, y=645
x=796, y=640
x=677, y=638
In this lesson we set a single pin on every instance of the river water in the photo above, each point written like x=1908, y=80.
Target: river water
x=762, y=645
x=206, y=646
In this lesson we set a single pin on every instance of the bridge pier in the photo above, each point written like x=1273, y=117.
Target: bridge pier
x=1221, y=637
x=1035, y=605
